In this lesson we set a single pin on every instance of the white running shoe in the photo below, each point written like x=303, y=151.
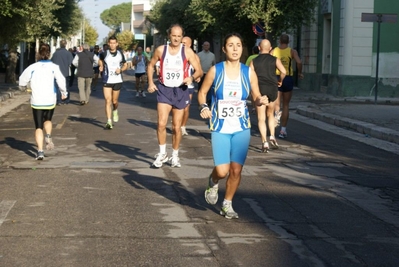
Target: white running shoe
x=211, y=193
x=183, y=130
x=283, y=134
x=137, y=94
x=49, y=142
x=175, y=162
x=228, y=212
x=144, y=94
x=115, y=116
x=273, y=142
x=160, y=160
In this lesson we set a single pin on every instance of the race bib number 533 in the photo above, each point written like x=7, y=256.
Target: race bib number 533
x=231, y=108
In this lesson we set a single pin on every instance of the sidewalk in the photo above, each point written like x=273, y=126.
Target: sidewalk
x=359, y=114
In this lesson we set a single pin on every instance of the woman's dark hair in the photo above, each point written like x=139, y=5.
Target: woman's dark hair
x=231, y=35
x=44, y=52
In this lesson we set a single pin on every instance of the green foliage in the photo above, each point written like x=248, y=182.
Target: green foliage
x=114, y=16
x=26, y=20
x=208, y=18
x=91, y=34
x=126, y=40
x=280, y=15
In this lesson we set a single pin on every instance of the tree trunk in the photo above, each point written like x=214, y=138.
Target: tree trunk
x=11, y=67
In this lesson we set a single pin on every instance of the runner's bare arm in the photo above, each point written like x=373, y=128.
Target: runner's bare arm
x=191, y=56
x=150, y=68
x=282, y=70
x=205, y=87
x=256, y=96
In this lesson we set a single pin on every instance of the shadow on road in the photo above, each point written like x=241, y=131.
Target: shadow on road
x=127, y=151
x=28, y=148
x=169, y=189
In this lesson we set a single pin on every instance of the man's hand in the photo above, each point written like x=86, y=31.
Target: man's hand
x=152, y=88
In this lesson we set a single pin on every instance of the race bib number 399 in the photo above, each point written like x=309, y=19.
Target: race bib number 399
x=231, y=109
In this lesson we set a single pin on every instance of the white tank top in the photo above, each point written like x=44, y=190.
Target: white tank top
x=174, y=68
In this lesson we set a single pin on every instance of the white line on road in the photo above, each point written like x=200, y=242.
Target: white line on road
x=5, y=207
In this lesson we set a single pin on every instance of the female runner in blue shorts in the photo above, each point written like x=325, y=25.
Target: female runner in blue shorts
x=230, y=83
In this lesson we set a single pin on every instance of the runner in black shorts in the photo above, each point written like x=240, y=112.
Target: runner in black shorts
x=112, y=63
x=265, y=67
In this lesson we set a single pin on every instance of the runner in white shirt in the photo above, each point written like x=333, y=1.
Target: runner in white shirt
x=112, y=64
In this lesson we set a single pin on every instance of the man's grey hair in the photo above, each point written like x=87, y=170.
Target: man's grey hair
x=86, y=46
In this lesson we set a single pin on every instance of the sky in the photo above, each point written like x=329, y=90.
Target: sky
x=92, y=10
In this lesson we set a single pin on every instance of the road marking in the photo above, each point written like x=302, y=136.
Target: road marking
x=5, y=207
x=16, y=129
x=59, y=126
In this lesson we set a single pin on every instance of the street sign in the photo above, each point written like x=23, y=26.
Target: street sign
x=375, y=17
x=139, y=36
x=378, y=17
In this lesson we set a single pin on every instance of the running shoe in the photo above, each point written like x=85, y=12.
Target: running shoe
x=40, y=155
x=115, y=115
x=160, y=159
x=175, y=162
x=277, y=117
x=183, y=130
x=144, y=94
x=49, y=142
x=108, y=125
x=211, y=193
x=228, y=212
x=273, y=142
x=137, y=94
x=265, y=147
x=283, y=134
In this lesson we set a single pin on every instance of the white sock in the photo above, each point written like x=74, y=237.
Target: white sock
x=226, y=202
x=213, y=184
x=109, y=120
x=175, y=153
x=162, y=149
x=284, y=129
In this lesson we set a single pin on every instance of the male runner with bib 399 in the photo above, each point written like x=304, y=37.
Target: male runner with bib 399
x=172, y=91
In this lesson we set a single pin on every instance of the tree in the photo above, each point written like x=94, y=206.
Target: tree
x=280, y=15
x=126, y=40
x=90, y=33
x=117, y=14
x=218, y=17
x=31, y=20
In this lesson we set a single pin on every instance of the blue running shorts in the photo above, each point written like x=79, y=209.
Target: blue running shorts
x=288, y=84
x=177, y=97
x=227, y=148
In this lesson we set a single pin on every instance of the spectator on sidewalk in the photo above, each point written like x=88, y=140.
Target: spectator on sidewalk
x=41, y=76
x=96, y=68
x=207, y=60
x=85, y=61
x=73, y=51
x=63, y=58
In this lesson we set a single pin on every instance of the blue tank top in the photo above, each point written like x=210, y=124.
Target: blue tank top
x=229, y=107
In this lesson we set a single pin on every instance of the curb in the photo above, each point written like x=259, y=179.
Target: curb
x=9, y=91
x=355, y=125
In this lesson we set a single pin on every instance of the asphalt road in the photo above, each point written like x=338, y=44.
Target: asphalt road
x=325, y=198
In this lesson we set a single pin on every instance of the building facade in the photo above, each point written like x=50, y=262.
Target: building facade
x=339, y=51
